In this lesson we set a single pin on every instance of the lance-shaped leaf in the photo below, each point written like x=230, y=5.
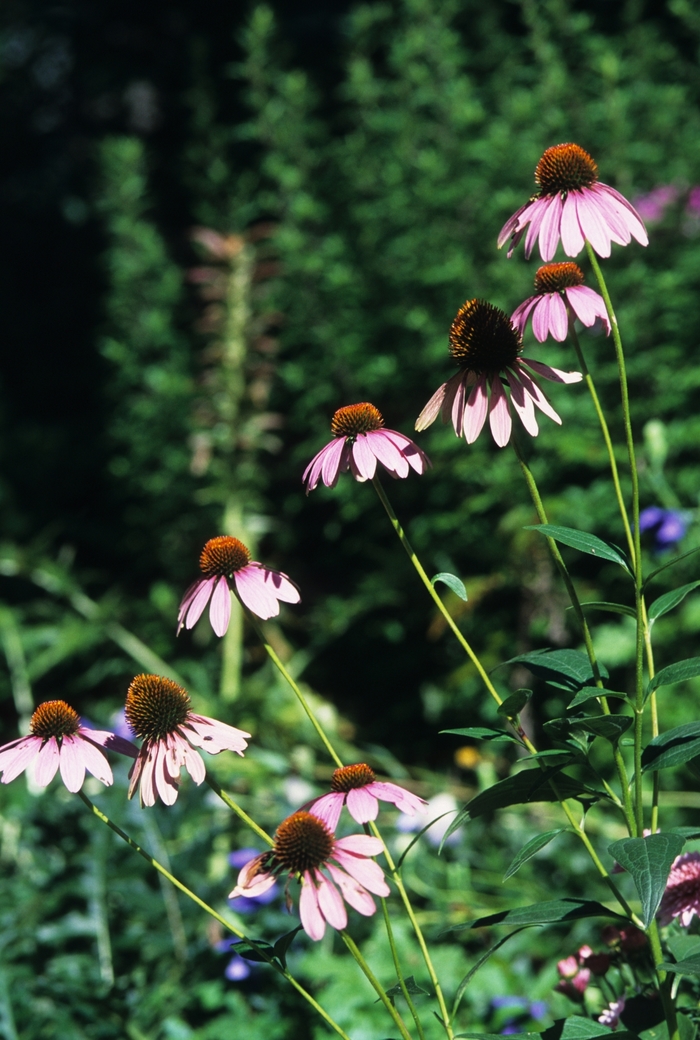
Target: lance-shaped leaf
x=549, y=912
x=648, y=861
x=587, y=543
x=513, y=705
x=691, y=966
x=673, y=748
x=475, y=967
x=669, y=600
x=608, y=608
x=677, y=672
x=482, y=733
x=528, y=851
x=589, y=692
x=452, y=582
x=411, y=985
x=569, y=669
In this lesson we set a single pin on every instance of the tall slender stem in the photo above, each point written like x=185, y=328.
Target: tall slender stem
x=397, y=968
x=376, y=985
x=228, y=800
x=210, y=910
x=431, y=590
x=638, y=576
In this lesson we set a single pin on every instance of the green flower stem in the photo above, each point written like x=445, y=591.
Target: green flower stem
x=665, y=983
x=228, y=800
x=217, y=917
x=398, y=881
x=588, y=642
x=300, y=696
x=376, y=985
x=654, y=714
x=638, y=576
x=397, y=968
x=606, y=436
x=431, y=590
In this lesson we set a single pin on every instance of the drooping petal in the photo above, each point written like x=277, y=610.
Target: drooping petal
x=410, y=451
x=499, y=413
x=185, y=602
x=72, y=765
x=511, y=225
x=255, y=593
x=220, y=609
x=632, y=219
x=476, y=410
x=458, y=405
x=199, y=601
x=312, y=473
x=554, y=374
x=432, y=409
x=550, y=229
x=522, y=402
x=404, y=800
x=536, y=394
x=195, y=766
x=557, y=318
x=539, y=211
x=331, y=462
x=280, y=584
x=362, y=805
x=353, y=892
x=47, y=762
x=387, y=453
x=214, y=736
x=104, y=738
x=587, y=305
x=522, y=313
x=328, y=808
x=365, y=461
x=331, y=903
x=309, y=911
x=592, y=224
x=366, y=871
x=253, y=879
x=165, y=783
x=147, y=787
x=135, y=772
x=360, y=844
x=571, y=235
x=16, y=756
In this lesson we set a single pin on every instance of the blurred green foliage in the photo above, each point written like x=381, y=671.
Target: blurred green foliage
x=385, y=200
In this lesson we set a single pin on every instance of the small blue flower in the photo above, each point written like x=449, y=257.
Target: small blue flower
x=666, y=526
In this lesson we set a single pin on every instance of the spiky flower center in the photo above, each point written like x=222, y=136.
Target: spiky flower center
x=155, y=706
x=482, y=338
x=222, y=556
x=302, y=842
x=564, y=168
x=54, y=719
x=556, y=277
x=356, y=418
x=349, y=777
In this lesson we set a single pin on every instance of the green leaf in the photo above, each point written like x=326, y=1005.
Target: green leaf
x=579, y=1028
x=411, y=985
x=691, y=966
x=648, y=861
x=475, y=967
x=610, y=608
x=251, y=952
x=282, y=945
x=672, y=748
x=549, y=912
x=677, y=672
x=669, y=600
x=482, y=733
x=452, y=582
x=528, y=851
x=683, y=947
x=588, y=692
x=583, y=541
x=571, y=668
x=513, y=705
x=671, y=563
x=610, y=727
x=499, y=1036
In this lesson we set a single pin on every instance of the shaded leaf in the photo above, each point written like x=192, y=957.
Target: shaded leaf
x=475, y=967
x=411, y=985
x=648, y=861
x=452, y=582
x=528, y=851
x=254, y=952
x=672, y=748
x=671, y=563
x=677, y=672
x=549, y=912
x=578, y=1028
x=282, y=945
x=609, y=608
x=513, y=705
x=482, y=733
x=588, y=692
x=610, y=727
x=691, y=966
x=569, y=667
x=583, y=541
x=669, y=600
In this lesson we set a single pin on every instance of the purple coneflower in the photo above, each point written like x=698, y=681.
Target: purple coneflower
x=573, y=205
x=682, y=896
x=360, y=441
x=487, y=347
x=59, y=741
x=304, y=845
x=158, y=711
x=227, y=567
x=559, y=285
x=358, y=787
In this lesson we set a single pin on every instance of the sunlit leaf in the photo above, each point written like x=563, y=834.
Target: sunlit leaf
x=548, y=912
x=677, y=672
x=570, y=668
x=528, y=851
x=452, y=582
x=669, y=600
x=648, y=861
x=587, y=543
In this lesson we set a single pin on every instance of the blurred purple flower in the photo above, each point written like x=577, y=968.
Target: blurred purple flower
x=247, y=904
x=667, y=526
x=692, y=206
x=651, y=207
x=237, y=969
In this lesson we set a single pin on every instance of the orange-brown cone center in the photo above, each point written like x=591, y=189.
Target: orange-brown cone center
x=563, y=168
x=155, y=706
x=349, y=777
x=222, y=556
x=556, y=277
x=356, y=418
x=302, y=842
x=54, y=719
x=482, y=338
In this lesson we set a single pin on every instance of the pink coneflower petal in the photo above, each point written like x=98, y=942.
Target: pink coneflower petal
x=353, y=892
x=81, y=754
x=615, y=218
x=331, y=903
x=250, y=585
x=511, y=224
x=432, y=409
x=592, y=224
x=280, y=585
x=571, y=234
x=499, y=413
x=558, y=318
x=360, y=845
x=362, y=805
x=47, y=762
x=328, y=808
x=214, y=736
x=555, y=375
x=220, y=609
x=416, y=458
x=522, y=402
x=587, y=305
x=333, y=462
x=536, y=215
x=15, y=758
x=310, y=914
x=631, y=218
x=458, y=405
x=476, y=410
x=404, y=800
x=549, y=229
x=522, y=313
x=199, y=602
x=366, y=871
x=387, y=453
x=536, y=394
x=166, y=785
x=365, y=461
